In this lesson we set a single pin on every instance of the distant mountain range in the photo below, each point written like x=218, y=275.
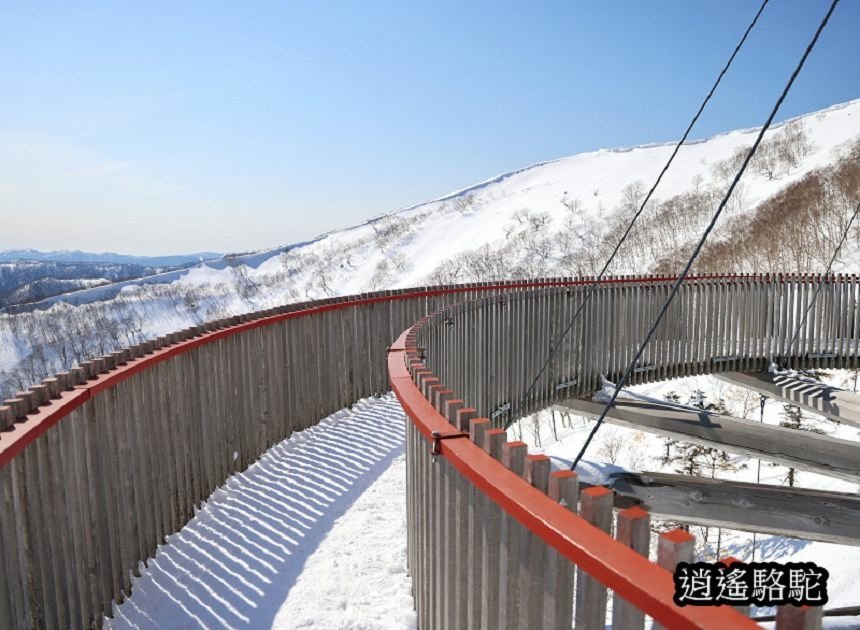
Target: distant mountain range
x=25, y=281
x=76, y=256
x=29, y=275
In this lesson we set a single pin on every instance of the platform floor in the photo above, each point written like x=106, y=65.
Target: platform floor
x=311, y=535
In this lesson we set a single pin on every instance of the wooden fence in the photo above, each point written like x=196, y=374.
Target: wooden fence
x=99, y=464
x=489, y=350
x=495, y=539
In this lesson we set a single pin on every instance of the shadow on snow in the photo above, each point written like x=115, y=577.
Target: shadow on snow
x=234, y=563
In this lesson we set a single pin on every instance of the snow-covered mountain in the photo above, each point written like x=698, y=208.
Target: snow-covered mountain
x=29, y=275
x=553, y=218
x=77, y=256
x=24, y=281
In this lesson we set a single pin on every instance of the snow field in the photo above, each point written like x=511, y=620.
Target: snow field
x=356, y=579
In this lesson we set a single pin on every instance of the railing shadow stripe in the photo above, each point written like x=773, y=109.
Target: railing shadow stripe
x=236, y=561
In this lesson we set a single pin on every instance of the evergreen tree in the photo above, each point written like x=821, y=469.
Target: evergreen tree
x=695, y=459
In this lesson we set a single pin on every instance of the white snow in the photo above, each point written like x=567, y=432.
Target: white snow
x=357, y=577
x=404, y=248
x=311, y=535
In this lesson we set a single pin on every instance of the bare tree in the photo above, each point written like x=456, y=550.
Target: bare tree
x=612, y=445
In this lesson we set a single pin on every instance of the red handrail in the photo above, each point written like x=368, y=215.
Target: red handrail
x=644, y=584
x=26, y=431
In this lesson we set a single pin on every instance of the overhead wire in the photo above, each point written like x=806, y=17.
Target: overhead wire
x=599, y=277
x=800, y=325
x=697, y=250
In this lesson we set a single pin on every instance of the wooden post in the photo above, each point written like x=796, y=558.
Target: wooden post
x=464, y=418
x=633, y=529
x=462, y=545
x=673, y=547
x=477, y=514
x=590, y=605
x=493, y=442
x=559, y=582
x=792, y=617
x=514, y=459
x=532, y=570
x=7, y=417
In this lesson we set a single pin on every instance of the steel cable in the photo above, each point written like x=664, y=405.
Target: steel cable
x=705, y=235
x=645, y=201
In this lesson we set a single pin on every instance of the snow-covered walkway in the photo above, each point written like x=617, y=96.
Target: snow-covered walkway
x=312, y=535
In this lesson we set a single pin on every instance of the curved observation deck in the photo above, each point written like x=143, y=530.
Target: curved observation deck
x=99, y=464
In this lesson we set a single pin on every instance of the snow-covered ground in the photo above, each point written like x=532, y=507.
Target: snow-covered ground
x=357, y=576
x=311, y=535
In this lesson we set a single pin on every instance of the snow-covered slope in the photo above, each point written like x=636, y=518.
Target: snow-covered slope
x=552, y=218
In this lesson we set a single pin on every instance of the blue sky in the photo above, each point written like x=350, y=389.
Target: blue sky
x=171, y=127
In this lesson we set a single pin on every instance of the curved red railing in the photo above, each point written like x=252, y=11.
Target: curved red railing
x=24, y=432
x=425, y=393
x=43, y=417
x=642, y=583
x=44, y=407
